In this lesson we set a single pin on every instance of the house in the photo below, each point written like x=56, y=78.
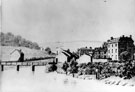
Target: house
x=15, y=56
x=66, y=55
x=115, y=46
x=85, y=50
x=101, y=52
x=96, y=53
x=61, y=57
x=84, y=59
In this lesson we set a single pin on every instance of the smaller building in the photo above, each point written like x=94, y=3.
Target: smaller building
x=85, y=50
x=84, y=59
x=100, y=53
x=15, y=56
x=61, y=57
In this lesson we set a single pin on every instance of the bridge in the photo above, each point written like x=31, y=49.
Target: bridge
x=31, y=63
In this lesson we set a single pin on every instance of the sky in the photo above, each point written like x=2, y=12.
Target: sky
x=44, y=21
x=0, y=16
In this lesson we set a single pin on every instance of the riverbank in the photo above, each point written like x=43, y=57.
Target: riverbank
x=108, y=81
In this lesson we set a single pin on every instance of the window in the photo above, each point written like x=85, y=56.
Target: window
x=112, y=50
x=108, y=45
x=112, y=45
x=116, y=45
x=116, y=57
x=115, y=50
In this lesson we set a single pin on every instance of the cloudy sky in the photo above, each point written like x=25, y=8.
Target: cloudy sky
x=68, y=20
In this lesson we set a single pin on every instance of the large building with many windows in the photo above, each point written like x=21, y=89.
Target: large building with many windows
x=115, y=46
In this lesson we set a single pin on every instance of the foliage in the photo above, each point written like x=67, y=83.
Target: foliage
x=125, y=56
x=48, y=50
x=8, y=39
x=102, y=70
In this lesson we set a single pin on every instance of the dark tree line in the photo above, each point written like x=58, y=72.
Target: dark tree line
x=9, y=39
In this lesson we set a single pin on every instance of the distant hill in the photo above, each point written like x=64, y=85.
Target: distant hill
x=73, y=46
x=9, y=39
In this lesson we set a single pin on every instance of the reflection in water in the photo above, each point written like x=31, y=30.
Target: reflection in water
x=74, y=83
x=27, y=80
x=68, y=82
x=33, y=72
x=65, y=81
x=0, y=80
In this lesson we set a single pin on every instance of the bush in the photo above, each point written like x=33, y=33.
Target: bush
x=125, y=56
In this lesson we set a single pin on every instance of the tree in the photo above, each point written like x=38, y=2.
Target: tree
x=125, y=56
x=48, y=50
x=9, y=39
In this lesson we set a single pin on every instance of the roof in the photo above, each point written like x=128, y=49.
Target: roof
x=100, y=49
x=85, y=48
x=120, y=39
x=70, y=54
x=114, y=40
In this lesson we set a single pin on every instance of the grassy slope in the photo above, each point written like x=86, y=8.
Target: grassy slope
x=29, y=53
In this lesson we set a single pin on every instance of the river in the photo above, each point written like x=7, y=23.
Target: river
x=39, y=81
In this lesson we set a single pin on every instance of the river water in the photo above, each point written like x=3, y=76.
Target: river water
x=39, y=81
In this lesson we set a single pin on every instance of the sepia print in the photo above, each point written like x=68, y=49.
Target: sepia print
x=67, y=46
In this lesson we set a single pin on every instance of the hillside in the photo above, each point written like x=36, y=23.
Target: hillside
x=28, y=53
x=9, y=39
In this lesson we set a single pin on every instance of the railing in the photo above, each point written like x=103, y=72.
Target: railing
x=27, y=63
x=15, y=63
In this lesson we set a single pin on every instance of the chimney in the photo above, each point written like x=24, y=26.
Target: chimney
x=111, y=38
x=130, y=36
x=123, y=36
x=90, y=47
x=108, y=40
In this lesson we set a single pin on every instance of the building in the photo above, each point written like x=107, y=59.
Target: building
x=85, y=50
x=14, y=56
x=84, y=59
x=100, y=53
x=96, y=53
x=115, y=46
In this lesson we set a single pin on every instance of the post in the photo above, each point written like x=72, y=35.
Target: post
x=91, y=59
x=2, y=67
x=33, y=67
x=6, y=63
x=10, y=63
x=56, y=60
x=73, y=75
x=18, y=67
x=22, y=63
x=27, y=63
